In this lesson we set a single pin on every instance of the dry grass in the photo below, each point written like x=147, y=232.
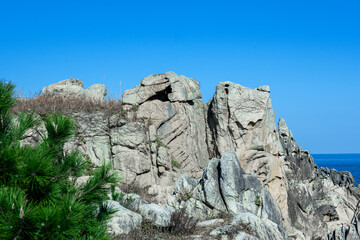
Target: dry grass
x=143, y=192
x=182, y=223
x=44, y=104
x=181, y=227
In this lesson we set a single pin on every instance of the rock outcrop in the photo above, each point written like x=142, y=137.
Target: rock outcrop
x=317, y=197
x=73, y=87
x=166, y=135
x=226, y=188
x=351, y=232
x=249, y=226
x=159, y=135
x=124, y=220
x=165, y=87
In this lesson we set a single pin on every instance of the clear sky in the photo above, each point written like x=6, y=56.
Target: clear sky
x=307, y=51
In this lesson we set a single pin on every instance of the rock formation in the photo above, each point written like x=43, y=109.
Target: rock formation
x=225, y=187
x=162, y=142
x=73, y=87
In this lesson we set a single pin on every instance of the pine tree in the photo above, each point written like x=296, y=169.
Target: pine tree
x=38, y=195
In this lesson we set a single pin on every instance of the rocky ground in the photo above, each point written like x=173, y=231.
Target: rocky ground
x=220, y=170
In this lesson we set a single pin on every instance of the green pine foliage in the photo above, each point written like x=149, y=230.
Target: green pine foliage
x=38, y=195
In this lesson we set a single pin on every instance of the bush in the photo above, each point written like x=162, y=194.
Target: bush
x=182, y=223
x=38, y=195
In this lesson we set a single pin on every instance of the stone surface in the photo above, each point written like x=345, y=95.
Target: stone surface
x=351, y=232
x=242, y=119
x=166, y=131
x=158, y=214
x=73, y=87
x=225, y=187
x=165, y=87
x=342, y=179
x=185, y=184
x=123, y=221
x=96, y=92
x=249, y=226
x=209, y=222
x=317, y=197
x=92, y=137
x=82, y=180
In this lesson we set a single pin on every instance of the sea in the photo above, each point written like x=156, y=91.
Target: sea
x=341, y=162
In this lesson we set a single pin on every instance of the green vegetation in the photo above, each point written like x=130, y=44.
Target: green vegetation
x=135, y=107
x=175, y=164
x=257, y=202
x=143, y=119
x=119, y=197
x=186, y=196
x=38, y=195
x=159, y=143
x=122, y=113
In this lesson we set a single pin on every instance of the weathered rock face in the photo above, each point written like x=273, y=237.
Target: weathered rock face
x=225, y=187
x=73, y=87
x=323, y=198
x=123, y=221
x=300, y=171
x=160, y=134
x=351, y=232
x=241, y=119
x=166, y=131
x=173, y=118
x=166, y=87
x=92, y=137
x=159, y=215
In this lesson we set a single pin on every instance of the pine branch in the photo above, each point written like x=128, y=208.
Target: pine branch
x=13, y=142
x=92, y=188
x=61, y=175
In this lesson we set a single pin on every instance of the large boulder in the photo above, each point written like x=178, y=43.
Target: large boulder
x=159, y=215
x=96, y=92
x=123, y=220
x=73, y=87
x=249, y=226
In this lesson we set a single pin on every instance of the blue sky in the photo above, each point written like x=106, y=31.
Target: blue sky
x=307, y=51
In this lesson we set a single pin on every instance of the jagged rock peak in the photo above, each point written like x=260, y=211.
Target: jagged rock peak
x=283, y=128
x=73, y=87
x=165, y=87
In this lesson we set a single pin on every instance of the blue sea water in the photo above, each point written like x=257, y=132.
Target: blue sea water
x=341, y=162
